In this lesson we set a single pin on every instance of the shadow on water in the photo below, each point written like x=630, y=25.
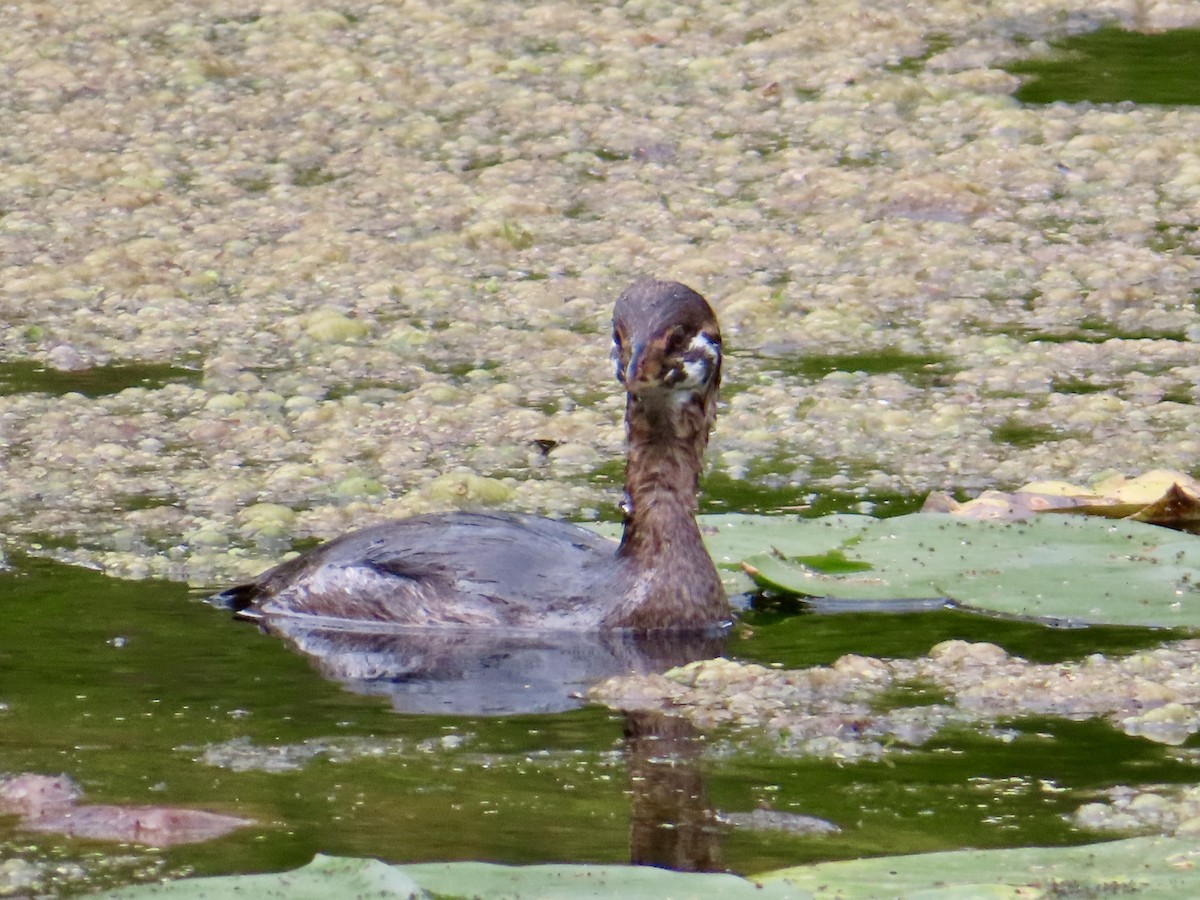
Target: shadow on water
x=143, y=695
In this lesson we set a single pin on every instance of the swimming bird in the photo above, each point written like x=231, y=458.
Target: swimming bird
x=494, y=570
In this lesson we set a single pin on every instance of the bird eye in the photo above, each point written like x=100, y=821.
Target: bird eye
x=677, y=341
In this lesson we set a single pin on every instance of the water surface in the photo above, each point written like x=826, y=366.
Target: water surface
x=145, y=695
x=1111, y=65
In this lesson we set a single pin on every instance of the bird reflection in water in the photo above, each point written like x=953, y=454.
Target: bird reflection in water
x=673, y=827
x=475, y=673
x=486, y=672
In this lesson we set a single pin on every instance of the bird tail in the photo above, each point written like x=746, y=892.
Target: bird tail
x=240, y=599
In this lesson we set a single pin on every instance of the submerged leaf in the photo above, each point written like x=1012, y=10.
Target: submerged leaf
x=51, y=804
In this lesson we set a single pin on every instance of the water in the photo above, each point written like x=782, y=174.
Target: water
x=1111, y=65
x=22, y=376
x=129, y=686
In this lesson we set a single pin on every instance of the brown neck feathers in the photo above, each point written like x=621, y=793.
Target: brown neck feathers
x=667, y=437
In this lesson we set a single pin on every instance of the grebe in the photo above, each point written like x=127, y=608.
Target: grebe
x=484, y=570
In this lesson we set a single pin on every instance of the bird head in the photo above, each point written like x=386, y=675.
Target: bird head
x=666, y=345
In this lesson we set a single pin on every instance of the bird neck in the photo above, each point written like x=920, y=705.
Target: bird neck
x=666, y=442
x=669, y=578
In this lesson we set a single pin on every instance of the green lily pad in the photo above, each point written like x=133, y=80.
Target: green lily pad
x=1158, y=867
x=733, y=537
x=1084, y=571
x=324, y=877
x=576, y=882
x=328, y=876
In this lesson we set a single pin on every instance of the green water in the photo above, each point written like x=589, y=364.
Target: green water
x=1111, y=65
x=122, y=684
x=918, y=369
x=22, y=376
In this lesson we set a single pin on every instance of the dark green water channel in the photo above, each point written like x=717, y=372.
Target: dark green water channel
x=1111, y=65
x=21, y=377
x=122, y=686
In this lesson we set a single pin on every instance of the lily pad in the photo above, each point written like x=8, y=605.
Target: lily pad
x=1158, y=867
x=328, y=876
x=731, y=538
x=1078, y=571
x=325, y=876
x=575, y=882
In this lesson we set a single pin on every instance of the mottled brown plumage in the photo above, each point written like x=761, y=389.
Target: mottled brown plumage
x=497, y=570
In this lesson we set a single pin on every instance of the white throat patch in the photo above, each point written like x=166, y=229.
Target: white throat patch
x=700, y=359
